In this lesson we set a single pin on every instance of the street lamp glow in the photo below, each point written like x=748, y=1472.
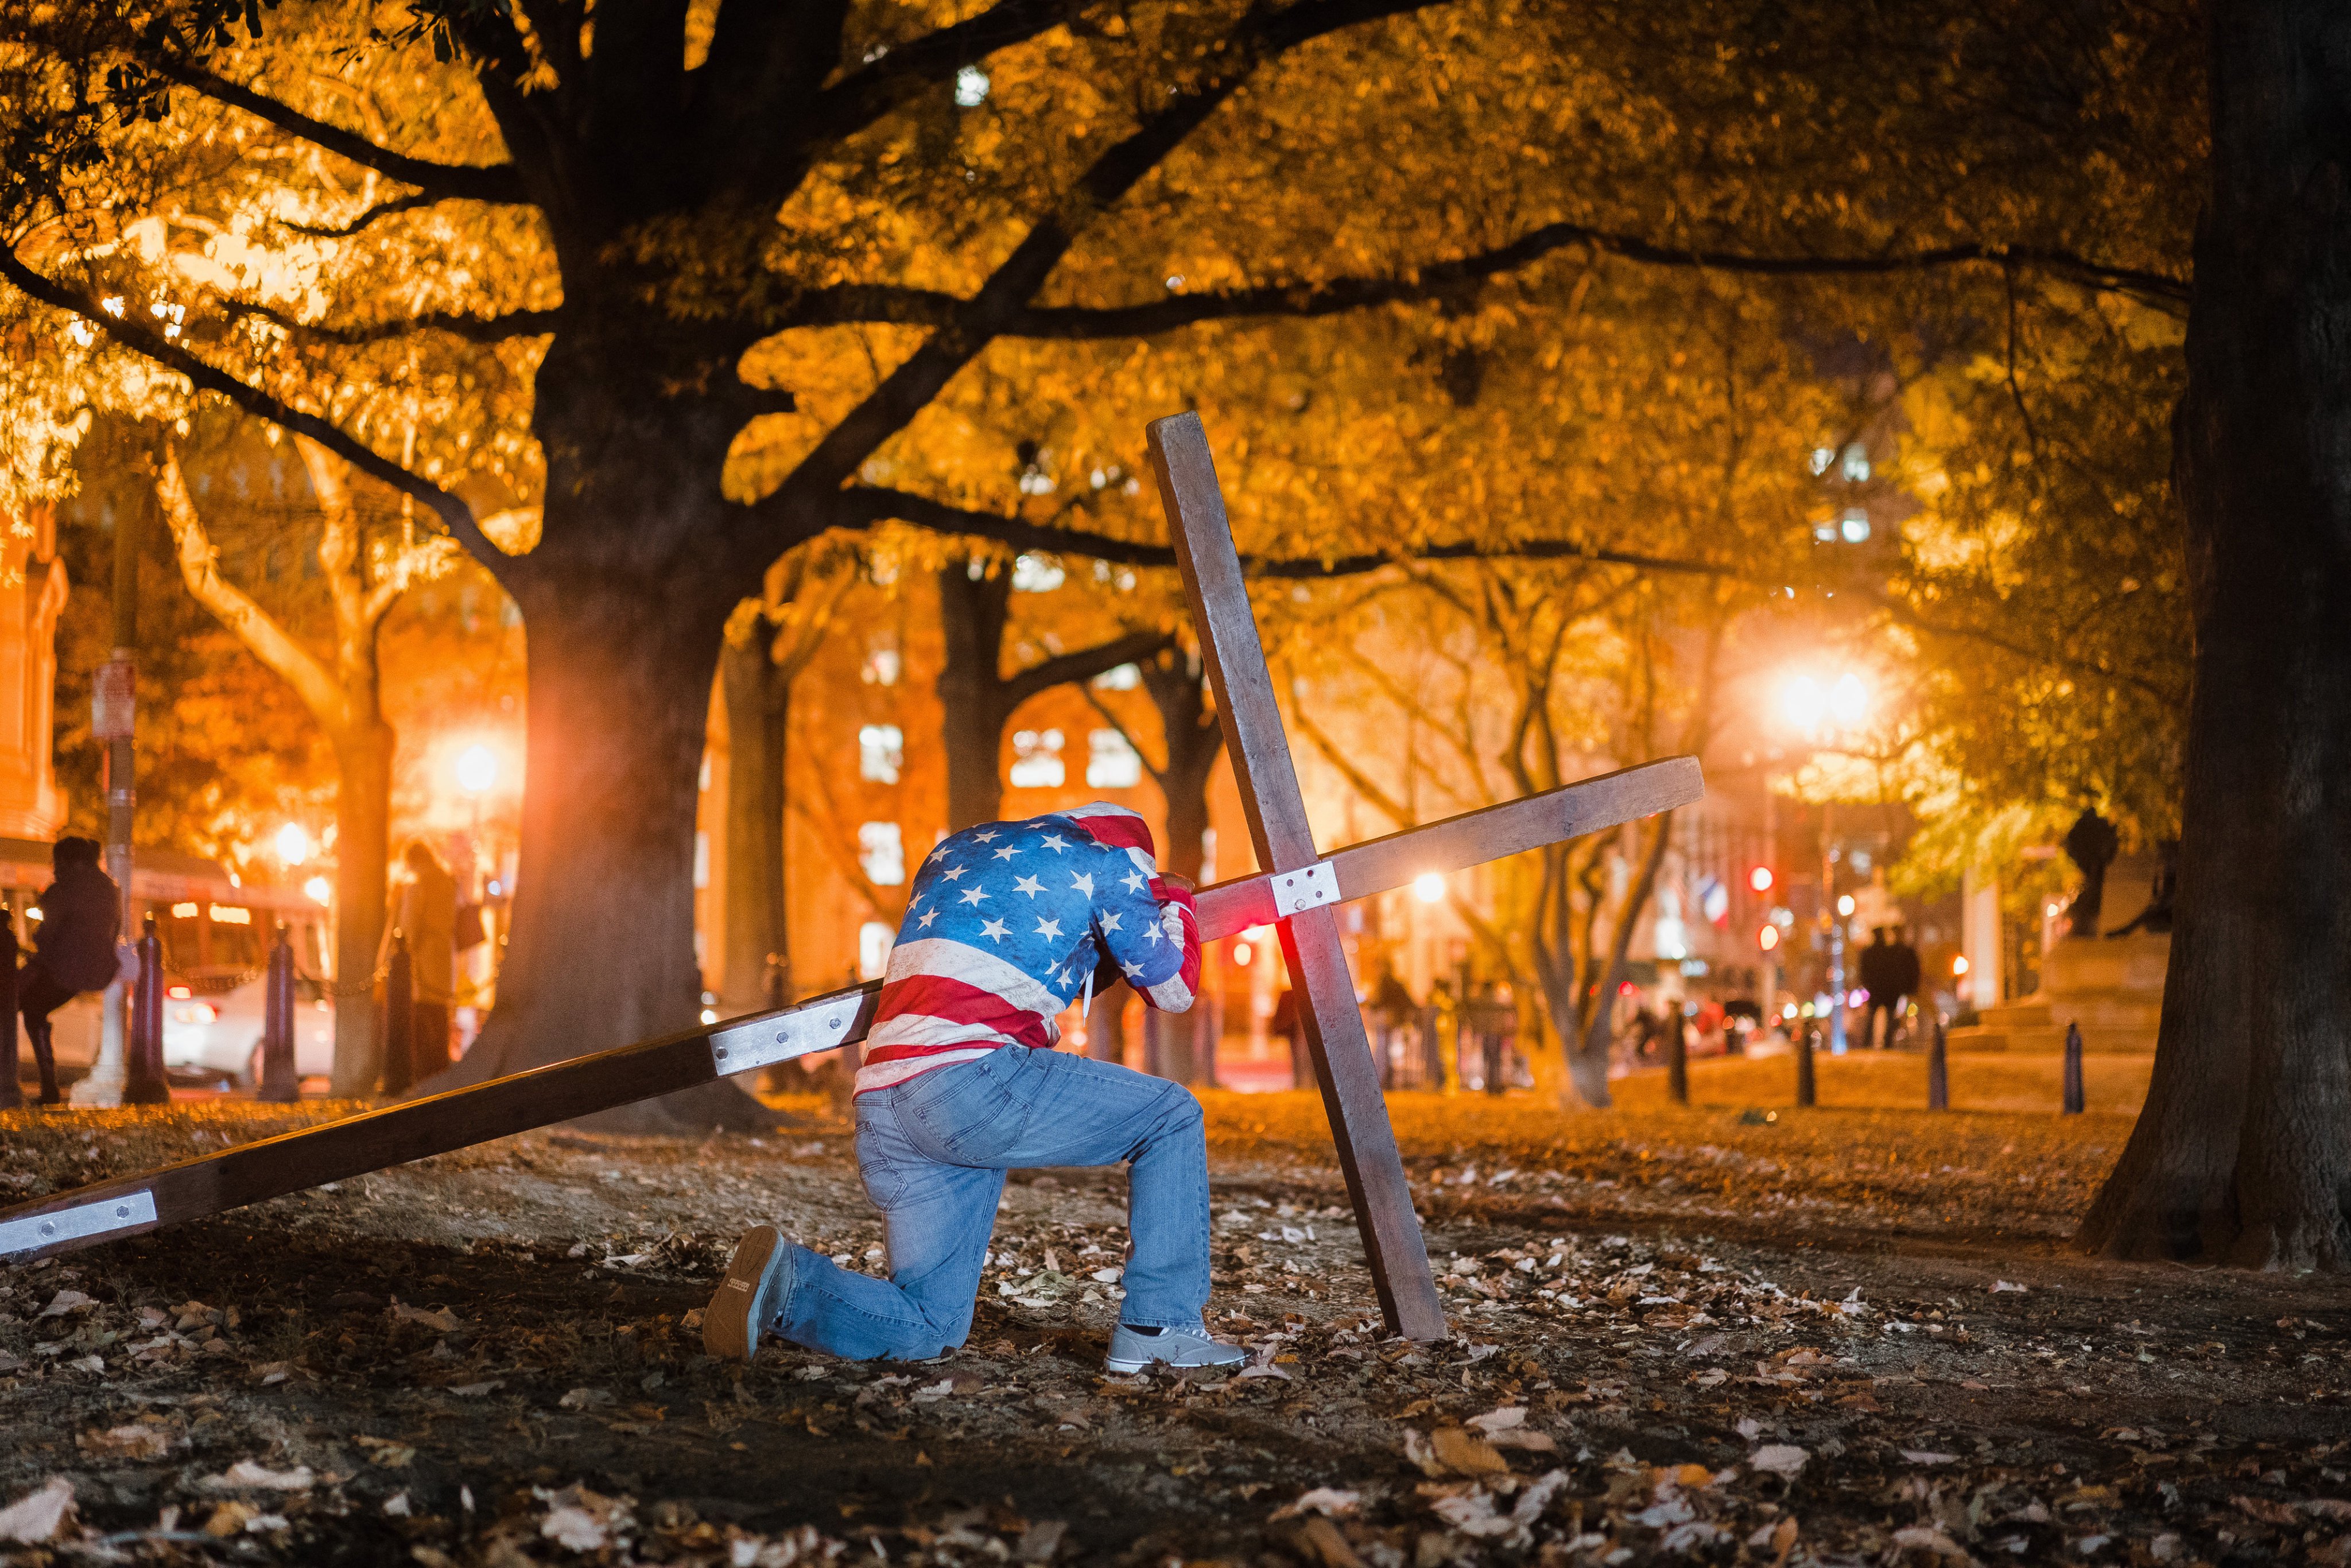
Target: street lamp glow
x=293, y=844
x=1803, y=702
x=1844, y=903
x=478, y=770
x=319, y=890
x=1848, y=699
x=1429, y=887
x=1959, y=965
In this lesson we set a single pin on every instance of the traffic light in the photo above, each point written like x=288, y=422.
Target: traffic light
x=1760, y=879
x=1767, y=937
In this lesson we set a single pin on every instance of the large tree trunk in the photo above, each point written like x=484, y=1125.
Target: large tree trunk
x=1179, y=687
x=757, y=698
x=972, y=613
x=362, y=863
x=2243, y=1151
x=1588, y=1068
x=603, y=951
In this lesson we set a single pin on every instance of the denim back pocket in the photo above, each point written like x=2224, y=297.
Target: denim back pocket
x=974, y=1112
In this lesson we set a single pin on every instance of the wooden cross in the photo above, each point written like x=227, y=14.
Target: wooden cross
x=1299, y=893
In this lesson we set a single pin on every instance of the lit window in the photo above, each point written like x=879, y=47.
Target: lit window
x=701, y=858
x=1120, y=678
x=1037, y=573
x=881, y=668
x=187, y=911
x=229, y=915
x=971, y=88
x=1112, y=762
x=1857, y=463
x=882, y=853
x=1855, y=526
x=1037, y=760
x=881, y=752
x=1822, y=457
x=1825, y=530
x=874, y=941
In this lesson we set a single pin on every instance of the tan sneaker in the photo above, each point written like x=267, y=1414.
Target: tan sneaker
x=757, y=1278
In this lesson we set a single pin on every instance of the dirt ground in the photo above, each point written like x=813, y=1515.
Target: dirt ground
x=1721, y=1334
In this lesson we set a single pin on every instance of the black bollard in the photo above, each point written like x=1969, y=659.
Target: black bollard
x=2073, y=1095
x=1938, y=1071
x=275, y=1082
x=142, y=1078
x=1806, y=1094
x=399, y=1019
x=12, y=1094
x=1494, y=1052
x=1432, y=1052
x=1677, y=1063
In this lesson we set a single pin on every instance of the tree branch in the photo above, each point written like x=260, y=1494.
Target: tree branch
x=1065, y=669
x=932, y=308
x=380, y=210
x=499, y=182
x=236, y=610
x=861, y=505
x=868, y=93
x=473, y=328
x=133, y=334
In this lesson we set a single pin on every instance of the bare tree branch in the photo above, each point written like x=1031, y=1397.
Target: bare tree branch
x=933, y=308
x=499, y=182
x=473, y=328
x=380, y=210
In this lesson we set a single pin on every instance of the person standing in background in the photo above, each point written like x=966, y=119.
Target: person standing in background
x=424, y=913
x=81, y=918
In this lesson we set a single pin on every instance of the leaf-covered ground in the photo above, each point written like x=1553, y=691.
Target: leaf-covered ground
x=1844, y=1335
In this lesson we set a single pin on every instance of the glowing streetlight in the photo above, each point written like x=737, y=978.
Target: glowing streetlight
x=1844, y=903
x=478, y=770
x=319, y=890
x=1959, y=966
x=1803, y=702
x=1430, y=887
x=293, y=844
x=1848, y=700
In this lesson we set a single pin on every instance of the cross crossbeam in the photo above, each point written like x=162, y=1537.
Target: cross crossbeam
x=292, y=1162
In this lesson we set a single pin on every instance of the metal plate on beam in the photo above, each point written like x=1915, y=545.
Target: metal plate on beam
x=827, y=1022
x=83, y=1222
x=1305, y=888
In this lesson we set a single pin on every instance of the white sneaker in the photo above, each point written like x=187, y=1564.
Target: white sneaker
x=1132, y=1349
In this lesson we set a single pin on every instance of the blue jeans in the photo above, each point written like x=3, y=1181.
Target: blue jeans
x=933, y=1152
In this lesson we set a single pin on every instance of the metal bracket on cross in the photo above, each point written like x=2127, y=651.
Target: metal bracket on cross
x=1300, y=895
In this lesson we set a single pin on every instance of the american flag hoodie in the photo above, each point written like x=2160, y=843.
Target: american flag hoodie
x=1004, y=924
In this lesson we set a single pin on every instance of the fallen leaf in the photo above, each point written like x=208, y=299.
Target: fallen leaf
x=2000, y=1285
x=385, y=1451
x=1920, y=1538
x=1783, y=1459
x=1500, y=1420
x=1928, y=1457
x=585, y=1398
x=2265, y=1510
x=39, y=1516
x=87, y=1363
x=245, y=1473
x=1319, y=1540
x=230, y=1519
x=475, y=1390
x=66, y=1302
x=575, y=1528
x=137, y=1440
x=1040, y=1541
x=1461, y=1454
x=441, y=1319
x=1329, y=1501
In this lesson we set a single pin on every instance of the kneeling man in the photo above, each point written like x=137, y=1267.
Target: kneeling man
x=1006, y=924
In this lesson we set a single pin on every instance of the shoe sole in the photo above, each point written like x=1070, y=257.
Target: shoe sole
x=729, y=1324
x=1115, y=1364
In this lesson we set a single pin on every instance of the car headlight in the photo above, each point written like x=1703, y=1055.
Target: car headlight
x=196, y=1013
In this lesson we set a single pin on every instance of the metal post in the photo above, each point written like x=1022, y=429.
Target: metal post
x=2074, y=1090
x=12, y=1095
x=1677, y=1062
x=277, y=1084
x=1806, y=1094
x=144, y=1083
x=1836, y=932
x=399, y=1018
x=1939, y=1070
x=113, y=719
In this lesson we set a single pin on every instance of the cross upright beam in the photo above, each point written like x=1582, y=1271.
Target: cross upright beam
x=1284, y=838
